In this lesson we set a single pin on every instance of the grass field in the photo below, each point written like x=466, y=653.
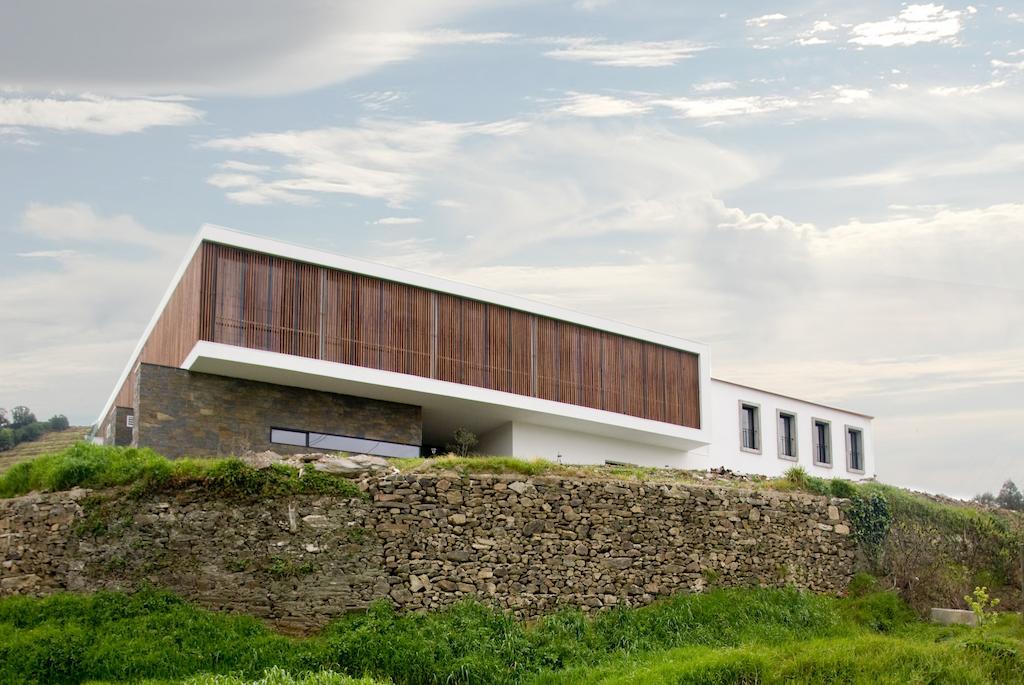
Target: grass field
x=725, y=636
x=46, y=444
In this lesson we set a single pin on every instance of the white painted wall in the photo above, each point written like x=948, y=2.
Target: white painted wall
x=497, y=442
x=530, y=441
x=724, y=449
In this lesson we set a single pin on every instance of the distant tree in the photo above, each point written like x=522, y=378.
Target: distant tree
x=58, y=422
x=1010, y=497
x=986, y=498
x=21, y=416
x=6, y=439
x=3, y=417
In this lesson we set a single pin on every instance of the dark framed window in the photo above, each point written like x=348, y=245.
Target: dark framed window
x=750, y=427
x=822, y=431
x=854, y=449
x=787, y=435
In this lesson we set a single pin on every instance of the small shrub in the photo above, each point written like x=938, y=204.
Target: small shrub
x=798, y=478
x=882, y=612
x=840, y=487
x=862, y=584
x=463, y=441
x=981, y=604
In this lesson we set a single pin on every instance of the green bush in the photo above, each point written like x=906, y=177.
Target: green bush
x=29, y=432
x=6, y=439
x=840, y=487
x=58, y=422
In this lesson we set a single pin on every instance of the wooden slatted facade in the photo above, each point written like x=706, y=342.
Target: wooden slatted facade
x=259, y=301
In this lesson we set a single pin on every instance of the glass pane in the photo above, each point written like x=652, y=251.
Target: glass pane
x=342, y=443
x=285, y=437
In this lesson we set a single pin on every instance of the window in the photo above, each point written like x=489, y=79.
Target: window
x=129, y=420
x=342, y=443
x=855, y=449
x=285, y=437
x=822, y=442
x=787, y=435
x=750, y=427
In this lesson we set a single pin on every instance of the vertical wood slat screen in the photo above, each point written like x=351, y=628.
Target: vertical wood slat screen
x=272, y=303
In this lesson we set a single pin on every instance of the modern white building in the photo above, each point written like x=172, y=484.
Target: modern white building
x=261, y=344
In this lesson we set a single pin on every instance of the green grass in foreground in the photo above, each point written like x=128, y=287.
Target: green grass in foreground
x=725, y=636
x=96, y=466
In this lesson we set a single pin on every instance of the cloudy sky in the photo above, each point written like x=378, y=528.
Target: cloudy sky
x=829, y=194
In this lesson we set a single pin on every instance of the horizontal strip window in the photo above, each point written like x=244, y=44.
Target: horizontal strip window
x=342, y=443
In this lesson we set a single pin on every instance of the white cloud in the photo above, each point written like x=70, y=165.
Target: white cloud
x=594, y=105
x=235, y=165
x=380, y=100
x=765, y=19
x=378, y=159
x=845, y=95
x=714, y=86
x=914, y=24
x=1000, y=159
x=725, y=107
x=1000, y=64
x=960, y=91
x=812, y=36
x=233, y=46
x=78, y=223
x=583, y=178
x=449, y=204
x=625, y=54
x=48, y=254
x=398, y=220
x=93, y=114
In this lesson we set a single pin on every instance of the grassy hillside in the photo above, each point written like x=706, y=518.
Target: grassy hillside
x=46, y=444
x=726, y=636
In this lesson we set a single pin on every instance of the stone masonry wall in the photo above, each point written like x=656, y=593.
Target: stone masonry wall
x=426, y=541
x=184, y=413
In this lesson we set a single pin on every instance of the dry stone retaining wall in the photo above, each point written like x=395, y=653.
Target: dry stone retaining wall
x=426, y=541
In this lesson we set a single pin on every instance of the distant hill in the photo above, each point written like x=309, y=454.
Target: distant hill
x=49, y=442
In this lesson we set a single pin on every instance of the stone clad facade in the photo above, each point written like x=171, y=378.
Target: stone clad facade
x=424, y=541
x=185, y=413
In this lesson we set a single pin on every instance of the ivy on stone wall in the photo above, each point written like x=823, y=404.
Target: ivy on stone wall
x=871, y=519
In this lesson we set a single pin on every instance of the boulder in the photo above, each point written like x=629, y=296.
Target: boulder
x=261, y=460
x=339, y=465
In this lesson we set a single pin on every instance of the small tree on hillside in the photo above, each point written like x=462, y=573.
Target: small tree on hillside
x=22, y=416
x=1010, y=497
x=58, y=422
x=6, y=439
x=3, y=417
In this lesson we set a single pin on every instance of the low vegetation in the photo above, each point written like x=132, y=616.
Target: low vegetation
x=95, y=466
x=725, y=636
x=22, y=426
